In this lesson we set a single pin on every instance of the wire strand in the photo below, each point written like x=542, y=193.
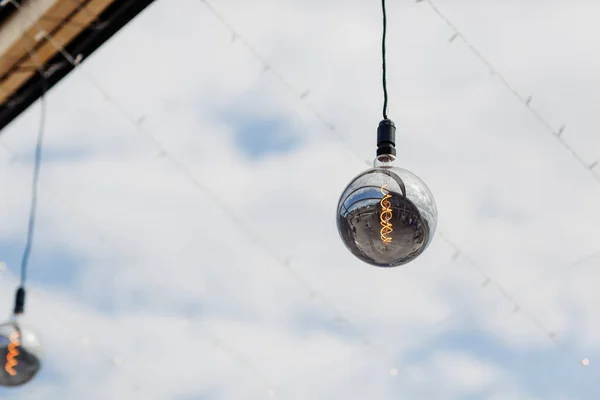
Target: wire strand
x=556, y=133
x=383, y=62
x=301, y=97
x=35, y=183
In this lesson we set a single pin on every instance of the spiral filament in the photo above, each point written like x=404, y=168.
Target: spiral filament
x=13, y=352
x=385, y=216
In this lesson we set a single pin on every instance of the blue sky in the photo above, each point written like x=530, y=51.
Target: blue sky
x=146, y=284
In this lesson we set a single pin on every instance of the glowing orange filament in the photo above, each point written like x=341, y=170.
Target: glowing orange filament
x=385, y=216
x=13, y=352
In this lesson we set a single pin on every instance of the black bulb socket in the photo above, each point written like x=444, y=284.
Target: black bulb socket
x=386, y=138
x=19, y=301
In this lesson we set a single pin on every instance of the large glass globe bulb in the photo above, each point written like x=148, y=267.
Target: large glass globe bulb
x=386, y=216
x=20, y=354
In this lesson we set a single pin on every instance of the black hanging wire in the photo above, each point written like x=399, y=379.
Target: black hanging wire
x=386, y=132
x=20, y=295
x=384, y=75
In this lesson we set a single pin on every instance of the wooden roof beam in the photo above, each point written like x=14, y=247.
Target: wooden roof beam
x=23, y=37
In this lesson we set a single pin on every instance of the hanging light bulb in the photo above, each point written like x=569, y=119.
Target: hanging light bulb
x=20, y=354
x=20, y=348
x=386, y=216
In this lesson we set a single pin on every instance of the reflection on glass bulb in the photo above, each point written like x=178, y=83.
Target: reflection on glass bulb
x=20, y=353
x=386, y=216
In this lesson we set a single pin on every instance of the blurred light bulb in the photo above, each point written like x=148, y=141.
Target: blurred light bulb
x=585, y=362
x=386, y=216
x=20, y=354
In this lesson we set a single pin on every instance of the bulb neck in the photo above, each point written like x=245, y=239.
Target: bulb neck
x=386, y=138
x=384, y=160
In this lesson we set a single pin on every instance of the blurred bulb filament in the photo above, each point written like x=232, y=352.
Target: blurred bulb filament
x=13, y=352
x=386, y=216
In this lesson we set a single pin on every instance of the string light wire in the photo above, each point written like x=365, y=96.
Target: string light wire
x=300, y=96
x=554, y=272
x=556, y=133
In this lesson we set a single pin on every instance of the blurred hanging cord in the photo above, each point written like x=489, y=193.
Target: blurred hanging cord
x=20, y=295
x=35, y=183
x=556, y=133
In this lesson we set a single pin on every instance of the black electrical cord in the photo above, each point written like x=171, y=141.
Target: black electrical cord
x=20, y=295
x=384, y=77
x=386, y=132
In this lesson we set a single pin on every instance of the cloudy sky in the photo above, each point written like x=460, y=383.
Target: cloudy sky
x=187, y=248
